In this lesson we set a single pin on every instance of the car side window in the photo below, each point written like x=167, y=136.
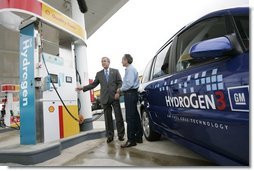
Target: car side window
x=147, y=71
x=242, y=23
x=204, y=30
x=161, y=62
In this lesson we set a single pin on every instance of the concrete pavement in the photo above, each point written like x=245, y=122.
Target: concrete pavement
x=96, y=152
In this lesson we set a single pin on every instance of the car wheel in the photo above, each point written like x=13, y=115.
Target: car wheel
x=147, y=128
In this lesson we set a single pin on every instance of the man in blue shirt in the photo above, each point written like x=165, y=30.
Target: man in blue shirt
x=130, y=90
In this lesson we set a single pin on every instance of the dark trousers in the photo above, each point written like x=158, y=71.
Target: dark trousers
x=109, y=120
x=134, y=129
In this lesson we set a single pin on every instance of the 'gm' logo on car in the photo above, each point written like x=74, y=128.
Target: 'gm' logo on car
x=239, y=98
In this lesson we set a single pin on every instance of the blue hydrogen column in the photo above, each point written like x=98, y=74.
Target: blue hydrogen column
x=27, y=89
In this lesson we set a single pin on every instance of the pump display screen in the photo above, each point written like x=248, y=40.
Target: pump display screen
x=54, y=78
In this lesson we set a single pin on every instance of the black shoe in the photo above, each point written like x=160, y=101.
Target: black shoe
x=109, y=140
x=139, y=140
x=121, y=138
x=128, y=144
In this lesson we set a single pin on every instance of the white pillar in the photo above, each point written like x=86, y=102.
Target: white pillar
x=81, y=61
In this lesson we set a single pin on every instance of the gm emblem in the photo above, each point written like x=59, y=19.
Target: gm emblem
x=239, y=98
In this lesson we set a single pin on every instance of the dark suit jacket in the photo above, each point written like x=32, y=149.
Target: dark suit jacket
x=108, y=90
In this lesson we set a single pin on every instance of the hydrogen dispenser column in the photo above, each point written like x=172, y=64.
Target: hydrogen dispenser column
x=48, y=100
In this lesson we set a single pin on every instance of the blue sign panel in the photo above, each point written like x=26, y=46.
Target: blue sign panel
x=27, y=90
x=239, y=98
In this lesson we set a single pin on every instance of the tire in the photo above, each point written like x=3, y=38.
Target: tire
x=149, y=133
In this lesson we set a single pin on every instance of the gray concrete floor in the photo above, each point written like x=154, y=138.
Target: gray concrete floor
x=99, y=153
x=147, y=154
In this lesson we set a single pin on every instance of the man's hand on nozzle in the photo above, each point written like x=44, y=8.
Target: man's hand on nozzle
x=79, y=88
x=117, y=96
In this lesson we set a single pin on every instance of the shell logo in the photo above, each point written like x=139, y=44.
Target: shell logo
x=47, y=12
x=51, y=109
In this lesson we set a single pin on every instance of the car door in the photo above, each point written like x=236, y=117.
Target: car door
x=154, y=96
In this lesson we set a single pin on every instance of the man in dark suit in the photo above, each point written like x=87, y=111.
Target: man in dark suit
x=110, y=80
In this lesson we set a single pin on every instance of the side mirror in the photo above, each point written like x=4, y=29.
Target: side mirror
x=212, y=48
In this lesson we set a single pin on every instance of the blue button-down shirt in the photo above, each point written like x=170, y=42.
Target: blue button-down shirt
x=130, y=79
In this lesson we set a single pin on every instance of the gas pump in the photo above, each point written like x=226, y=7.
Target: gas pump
x=50, y=44
x=10, y=110
x=48, y=81
x=59, y=100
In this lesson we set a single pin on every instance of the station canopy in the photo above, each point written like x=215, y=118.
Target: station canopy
x=99, y=11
